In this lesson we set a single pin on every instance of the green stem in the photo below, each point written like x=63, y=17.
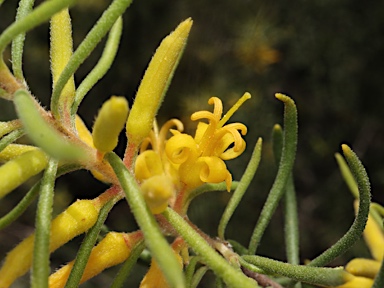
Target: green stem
x=231, y=276
x=291, y=217
x=10, y=138
x=303, y=273
x=355, y=231
x=241, y=188
x=284, y=171
x=87, y=245
x=291, y=224
x=98, y=31
x=154, y=240
x=207, y=187
x=40, y=264
x=123, y=273
x=102, y=66
x=38, y=16
x=25, y=7
x=190, y=270
x=198, y=276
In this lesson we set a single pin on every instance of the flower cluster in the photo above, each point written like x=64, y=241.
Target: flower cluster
x=168, y=169
x=161, y=172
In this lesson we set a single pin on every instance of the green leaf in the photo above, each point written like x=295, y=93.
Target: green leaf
x=312, y=275
x=283, y=173
x=231, y=276
x=38, y=16
x=40, y=263
x=25, y=7
x=356, y=230
x=102, y=66
x=98, y=31
x=123, y=273
x=86, y=247
x=241, y=188
x=42, y=133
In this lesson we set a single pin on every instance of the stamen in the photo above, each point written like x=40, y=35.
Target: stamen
x=234, y=108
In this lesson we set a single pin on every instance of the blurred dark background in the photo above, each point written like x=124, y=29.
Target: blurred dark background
x=327, y=55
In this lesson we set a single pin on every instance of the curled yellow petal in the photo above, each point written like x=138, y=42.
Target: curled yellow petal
x=76, y=219
x=16, y=171
x=213, y=170
x=112, y=250
x=155, y=83
x=181, y=147
x=363, y=267
x=109, y=123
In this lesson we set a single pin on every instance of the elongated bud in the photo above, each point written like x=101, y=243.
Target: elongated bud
x=363, y=267
x=14, y=150
x=109, y=123
x=75, y=220
x=61, y=52
x=155, y=83
x=374, y=237
x=18, y=170
x=112, y=250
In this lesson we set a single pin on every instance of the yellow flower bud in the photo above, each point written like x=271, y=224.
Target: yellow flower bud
x=112, y=250
x=363, y=267
x=155, y=83
x=6, y=127
x=357, y=282
x=61, y=51
x=109, y=123
x=154, y=277
x=14, y=150
x=18, y=170
x=374, y=237
x=157, y=190
x=75, y=220
x=86, y=137
x=83, y=131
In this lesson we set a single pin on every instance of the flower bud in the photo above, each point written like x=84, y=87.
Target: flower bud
x=75, y=220
x=18, y=170
x=157, y=190
x=155, y=83
x=109, y=123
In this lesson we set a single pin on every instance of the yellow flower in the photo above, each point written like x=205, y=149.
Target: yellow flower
x=164, y=167
x=200, y=159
